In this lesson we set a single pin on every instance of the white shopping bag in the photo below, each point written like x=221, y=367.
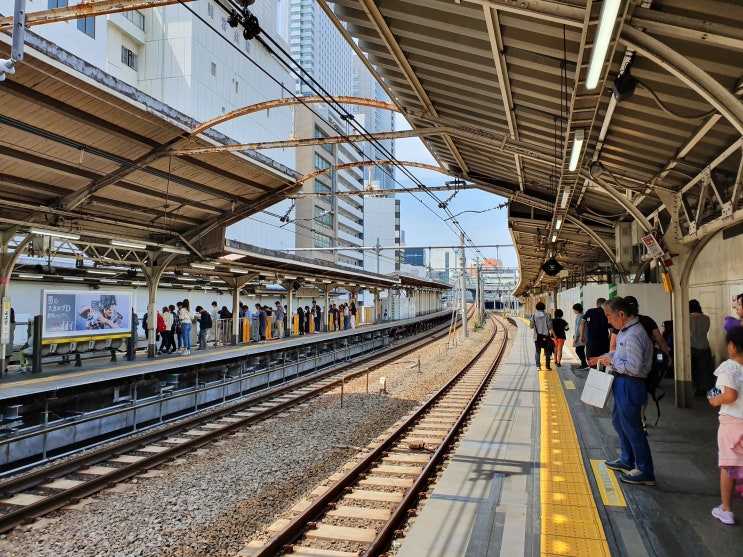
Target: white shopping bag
x=597, y=388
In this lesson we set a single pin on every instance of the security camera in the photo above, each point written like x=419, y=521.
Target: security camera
x=6, y=67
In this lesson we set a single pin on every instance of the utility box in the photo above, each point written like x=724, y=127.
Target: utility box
x=626, y=240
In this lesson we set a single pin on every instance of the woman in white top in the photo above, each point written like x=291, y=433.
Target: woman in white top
x=730, y=433
x=186, y=320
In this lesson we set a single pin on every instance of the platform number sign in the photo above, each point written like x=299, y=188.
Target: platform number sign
x=5, y=322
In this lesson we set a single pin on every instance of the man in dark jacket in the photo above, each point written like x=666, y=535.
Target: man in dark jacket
x=262, y=323
x=205, y=323
x=594, y=330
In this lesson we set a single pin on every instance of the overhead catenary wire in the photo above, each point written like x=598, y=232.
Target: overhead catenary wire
x=297, y=70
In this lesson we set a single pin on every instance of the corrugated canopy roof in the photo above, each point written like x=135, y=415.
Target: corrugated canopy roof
x=505, y=82
x=83, y=152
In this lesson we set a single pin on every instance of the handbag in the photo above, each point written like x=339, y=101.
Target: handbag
x=597, y=388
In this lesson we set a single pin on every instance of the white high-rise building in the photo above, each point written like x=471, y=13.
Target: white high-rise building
x=337, y=219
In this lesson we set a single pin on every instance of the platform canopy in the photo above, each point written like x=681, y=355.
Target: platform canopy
x=508, y=84
x=84, y=154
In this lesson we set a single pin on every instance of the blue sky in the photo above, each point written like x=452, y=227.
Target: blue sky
x=423, y=222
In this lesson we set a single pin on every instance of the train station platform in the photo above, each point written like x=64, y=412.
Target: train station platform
x=98, y=370
x=528, y=477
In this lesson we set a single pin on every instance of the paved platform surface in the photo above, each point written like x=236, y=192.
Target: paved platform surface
x=99, y=369
x=497, y=496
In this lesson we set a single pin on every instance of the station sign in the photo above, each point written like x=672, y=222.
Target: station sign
x=5, y=321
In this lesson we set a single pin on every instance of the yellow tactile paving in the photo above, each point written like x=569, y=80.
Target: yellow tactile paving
x=570, y=521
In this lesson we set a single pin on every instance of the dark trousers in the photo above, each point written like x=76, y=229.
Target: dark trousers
x=581, y=351
x=702, y=369
x=167, y=343
x=542, y=344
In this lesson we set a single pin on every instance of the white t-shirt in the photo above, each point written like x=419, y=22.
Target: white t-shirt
x=730, y=374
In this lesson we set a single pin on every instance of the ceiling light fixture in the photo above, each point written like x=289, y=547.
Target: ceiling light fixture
x=239, y=271
x=607, y=20
x=565, y=198
x=73, y=278
x=27, y=276
x=102, y=272
x=558, y=224
x=577, y=147
x=171, y=249
x=554, y=237
x=128, y=244
x=55, y=233
x=204, y=266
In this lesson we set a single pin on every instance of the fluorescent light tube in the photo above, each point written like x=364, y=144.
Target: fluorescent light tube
x=240, y=271
x=558, y=224
x=27, y=276
x=577, y=147
x=128, y=244
x=188, y=279
x=73, y=278
x=205, y=266
x=609, y=11
x=142, y=283
x=170, y=249
x=102, y=272
x=55, y=233
x=554, y=237
x=565, y=198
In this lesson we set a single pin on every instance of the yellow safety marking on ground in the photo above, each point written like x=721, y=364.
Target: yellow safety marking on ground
x=571, y=524
x=569, y=385
x=149, y=362
x=611, y=494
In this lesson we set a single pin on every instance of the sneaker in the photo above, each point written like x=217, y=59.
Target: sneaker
x=618, y=465
x=726, y=517
x=637, y=477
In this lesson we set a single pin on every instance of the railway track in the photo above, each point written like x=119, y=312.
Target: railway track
x=363, y=510
x=35, y=494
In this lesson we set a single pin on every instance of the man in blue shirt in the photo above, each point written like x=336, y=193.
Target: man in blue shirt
x=630, y=364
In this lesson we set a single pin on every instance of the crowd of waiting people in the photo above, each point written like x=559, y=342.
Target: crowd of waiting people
x=608, y=336
x=175, y=323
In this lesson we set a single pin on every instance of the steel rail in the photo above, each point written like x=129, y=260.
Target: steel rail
x=282, y=540
x=324, y=381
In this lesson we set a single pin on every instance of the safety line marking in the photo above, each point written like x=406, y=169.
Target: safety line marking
x=125, y=367
x=611, y=493
x=571, y=524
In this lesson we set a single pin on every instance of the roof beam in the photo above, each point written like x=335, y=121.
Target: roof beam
x=692, y=75
x=681, y=27
x=85, y=9
x=375, y=17
x=548, y=10
x=492, y=22
x=290, y=101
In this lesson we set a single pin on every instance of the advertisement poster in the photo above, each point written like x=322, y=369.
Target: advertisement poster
x=68, y=313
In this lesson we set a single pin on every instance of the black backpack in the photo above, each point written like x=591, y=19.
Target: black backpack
x=657, y=372
x=208, y=321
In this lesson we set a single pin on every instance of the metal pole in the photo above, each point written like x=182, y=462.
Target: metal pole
x=462, y=259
